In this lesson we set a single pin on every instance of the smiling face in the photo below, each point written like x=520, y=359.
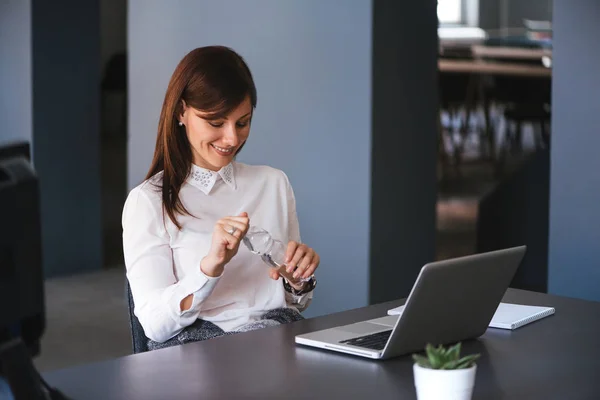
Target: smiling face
x=215, y=141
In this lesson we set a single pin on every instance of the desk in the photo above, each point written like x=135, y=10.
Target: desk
x=480, y=51
x=493, y=68
x=554, y=358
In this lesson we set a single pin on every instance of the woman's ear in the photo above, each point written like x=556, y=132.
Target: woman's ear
x=184, y=107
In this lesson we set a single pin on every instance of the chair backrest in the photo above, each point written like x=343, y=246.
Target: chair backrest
x=138, y=337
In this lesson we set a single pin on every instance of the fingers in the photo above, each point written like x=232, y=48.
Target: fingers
x=230, y=241
x=304, y=260
x=312, y=267
x=238, y=226
x=291, y=249
x=227, y=236
x=232, y=227
x=299, y=252
x=303, y=264
x=244, y=220
x=274, y=274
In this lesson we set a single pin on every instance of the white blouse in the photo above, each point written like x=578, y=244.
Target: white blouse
x=163, y=263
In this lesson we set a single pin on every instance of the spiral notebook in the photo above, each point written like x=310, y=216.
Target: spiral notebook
x=507, y=316
x=513, y=316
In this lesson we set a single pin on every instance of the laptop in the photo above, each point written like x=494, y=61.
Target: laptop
x=451, y=301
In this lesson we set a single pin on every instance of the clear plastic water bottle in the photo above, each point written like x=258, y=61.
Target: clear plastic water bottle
x=271, y=251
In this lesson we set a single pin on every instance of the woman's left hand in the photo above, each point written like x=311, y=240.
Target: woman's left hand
x=301, y=260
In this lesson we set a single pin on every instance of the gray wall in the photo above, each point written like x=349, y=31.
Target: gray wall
x=574, y=257
x=66, y=80
x=15, y=71
x=312, y=63
x=404, y=138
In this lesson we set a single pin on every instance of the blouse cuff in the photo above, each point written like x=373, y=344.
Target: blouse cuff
x=300, y=302
x=302, y=299
x=200, y=286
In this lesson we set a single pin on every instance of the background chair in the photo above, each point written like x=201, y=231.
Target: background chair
x=524, y=101
x=138, y=337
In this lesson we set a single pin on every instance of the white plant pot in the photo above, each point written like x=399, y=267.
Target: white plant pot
x=437, y=384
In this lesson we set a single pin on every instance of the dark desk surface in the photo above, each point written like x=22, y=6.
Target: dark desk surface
x=554, y=358
x=493, y=68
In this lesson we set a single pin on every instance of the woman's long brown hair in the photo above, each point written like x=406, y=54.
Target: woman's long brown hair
x=212, y=79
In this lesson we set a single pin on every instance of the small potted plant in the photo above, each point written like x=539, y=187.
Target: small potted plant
x=443, y=374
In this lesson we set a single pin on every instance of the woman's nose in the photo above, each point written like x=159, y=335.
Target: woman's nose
x=231, y=135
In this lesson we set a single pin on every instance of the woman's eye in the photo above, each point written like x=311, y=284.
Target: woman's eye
x=216, y=124
x=242, y=124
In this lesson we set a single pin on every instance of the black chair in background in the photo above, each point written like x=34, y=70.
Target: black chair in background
x=458, y=100
x=524, y=100
x=464, y=98
x=138, y=337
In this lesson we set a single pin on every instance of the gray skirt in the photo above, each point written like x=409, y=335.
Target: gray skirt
x=203, y=330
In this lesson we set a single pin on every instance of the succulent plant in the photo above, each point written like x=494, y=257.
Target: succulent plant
x=444, y=358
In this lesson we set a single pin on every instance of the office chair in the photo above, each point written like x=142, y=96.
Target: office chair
x=139, y=340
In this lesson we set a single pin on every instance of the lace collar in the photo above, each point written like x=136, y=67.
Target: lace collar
x=205, y=179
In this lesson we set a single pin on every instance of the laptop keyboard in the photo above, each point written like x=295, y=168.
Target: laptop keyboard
x=375, y=341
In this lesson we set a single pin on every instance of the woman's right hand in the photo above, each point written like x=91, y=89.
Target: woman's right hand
x=225, y=244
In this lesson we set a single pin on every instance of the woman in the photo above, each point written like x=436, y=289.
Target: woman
x=182, y=227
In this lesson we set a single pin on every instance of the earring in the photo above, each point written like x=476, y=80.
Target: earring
x=180, y=123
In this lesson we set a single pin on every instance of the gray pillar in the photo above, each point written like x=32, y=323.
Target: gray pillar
x=66, y=95
x=404, y=145
x=574, y=255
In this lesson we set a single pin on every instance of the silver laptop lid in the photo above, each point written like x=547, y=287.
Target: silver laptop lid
x=453, y=300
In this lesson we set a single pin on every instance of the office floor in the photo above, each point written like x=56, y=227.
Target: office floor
x=87, y=320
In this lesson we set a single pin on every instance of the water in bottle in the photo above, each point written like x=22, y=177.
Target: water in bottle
x=271, y=251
